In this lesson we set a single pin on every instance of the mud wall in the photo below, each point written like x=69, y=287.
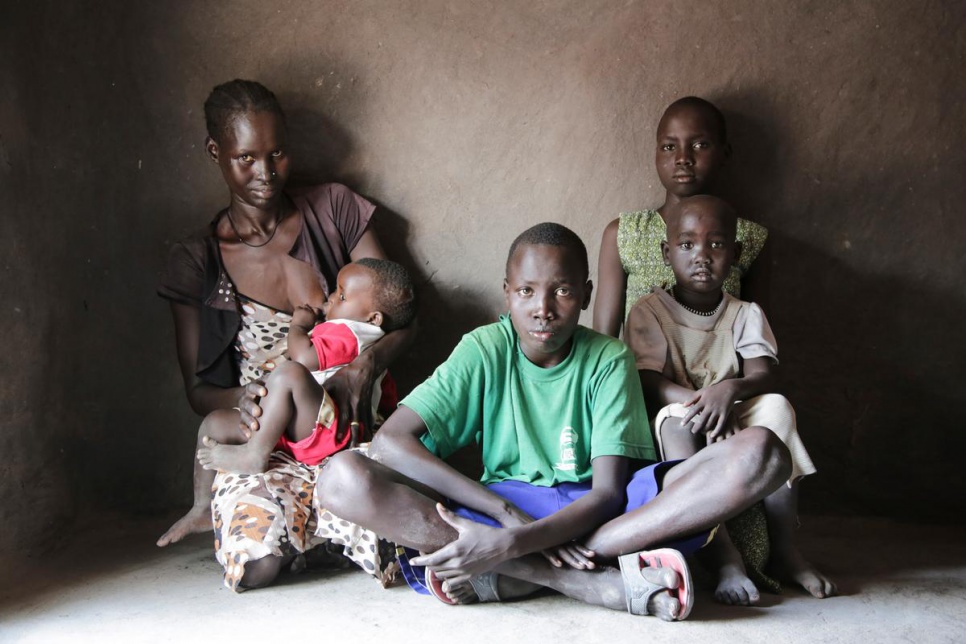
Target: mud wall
x=467, y=122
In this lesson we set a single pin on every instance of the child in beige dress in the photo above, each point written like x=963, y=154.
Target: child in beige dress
x=706, y=361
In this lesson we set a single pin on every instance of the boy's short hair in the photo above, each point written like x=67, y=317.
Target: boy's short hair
x=394, y=295
x=551, y=234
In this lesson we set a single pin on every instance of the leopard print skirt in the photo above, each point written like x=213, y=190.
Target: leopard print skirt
x=276, y=513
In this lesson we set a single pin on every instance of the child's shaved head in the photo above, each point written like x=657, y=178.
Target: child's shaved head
x=710, y=111
x=703, y=206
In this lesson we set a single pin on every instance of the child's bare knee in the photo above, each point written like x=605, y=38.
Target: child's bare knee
x=286, y=374
x=672, y=428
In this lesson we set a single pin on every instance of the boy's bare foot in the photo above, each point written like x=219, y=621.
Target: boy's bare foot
x=792, y=565
x=735, y=588
x=662, y=604
x=198, y=519
x=603, y=586
x=239, y=459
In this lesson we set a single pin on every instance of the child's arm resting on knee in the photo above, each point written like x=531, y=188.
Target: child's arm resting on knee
x=398, y=445
x=661, y=391
x=712, y=406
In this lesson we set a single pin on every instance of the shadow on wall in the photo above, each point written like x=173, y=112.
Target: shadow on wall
x=869, y=361
x=321, y=147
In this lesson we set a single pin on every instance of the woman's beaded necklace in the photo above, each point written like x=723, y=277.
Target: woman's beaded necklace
x=704, y=314
x=238, y=234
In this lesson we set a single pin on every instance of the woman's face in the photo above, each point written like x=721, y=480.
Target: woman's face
x=253, y=158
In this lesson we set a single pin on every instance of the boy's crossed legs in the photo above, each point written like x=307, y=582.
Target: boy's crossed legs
x=697, y=494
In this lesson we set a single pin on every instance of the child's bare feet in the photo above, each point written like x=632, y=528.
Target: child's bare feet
x=793, y=566
x=735, y=588
x=239, y=459
x=197, y=519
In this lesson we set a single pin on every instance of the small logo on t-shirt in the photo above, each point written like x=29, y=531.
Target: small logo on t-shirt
x=568, y=456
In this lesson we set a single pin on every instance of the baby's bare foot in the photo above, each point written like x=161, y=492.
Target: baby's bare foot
x=791, y=565
x=735, y=588
x=238, y=459
x=198, y=519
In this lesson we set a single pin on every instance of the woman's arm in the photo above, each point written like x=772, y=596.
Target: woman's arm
x=611, y=284
x=351, y=386
x=204, y=398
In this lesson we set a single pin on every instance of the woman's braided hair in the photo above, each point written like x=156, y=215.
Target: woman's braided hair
x=229, y=100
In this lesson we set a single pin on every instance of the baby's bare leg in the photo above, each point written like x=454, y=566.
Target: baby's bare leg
x=781, y=511
x=223, y=424
x=291, y=407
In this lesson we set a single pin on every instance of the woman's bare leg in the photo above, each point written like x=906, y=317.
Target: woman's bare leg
x=224, y=425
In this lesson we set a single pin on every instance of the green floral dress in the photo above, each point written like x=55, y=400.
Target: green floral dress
x=639, y=237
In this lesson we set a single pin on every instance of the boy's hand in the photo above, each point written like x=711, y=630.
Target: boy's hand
x=306, y=316
x=479, y=548
x=571, y=554
x=710, y=409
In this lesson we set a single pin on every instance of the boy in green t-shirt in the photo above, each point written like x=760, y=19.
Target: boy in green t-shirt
x=558, y=411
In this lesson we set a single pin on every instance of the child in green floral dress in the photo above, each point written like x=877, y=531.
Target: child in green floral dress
x=692, y=148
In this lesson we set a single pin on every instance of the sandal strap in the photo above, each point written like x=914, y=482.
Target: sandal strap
x=637, y=590
x=485, y=586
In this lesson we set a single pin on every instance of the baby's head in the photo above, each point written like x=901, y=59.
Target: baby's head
x=546, y=288
x=692, y=146
x=701, y=245
x=376, y=291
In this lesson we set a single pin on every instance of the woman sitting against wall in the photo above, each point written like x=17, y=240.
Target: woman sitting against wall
x=232, y=290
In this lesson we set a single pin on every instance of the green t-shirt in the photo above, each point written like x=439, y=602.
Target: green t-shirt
x=541, y=426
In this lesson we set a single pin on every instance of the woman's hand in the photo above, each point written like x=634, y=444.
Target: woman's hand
x=248, y=407
x=351, y=389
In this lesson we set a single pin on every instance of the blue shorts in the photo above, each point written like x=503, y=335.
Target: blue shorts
x=539, y=502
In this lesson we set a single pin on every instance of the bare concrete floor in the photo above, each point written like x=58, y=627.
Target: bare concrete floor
x=900, y=583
